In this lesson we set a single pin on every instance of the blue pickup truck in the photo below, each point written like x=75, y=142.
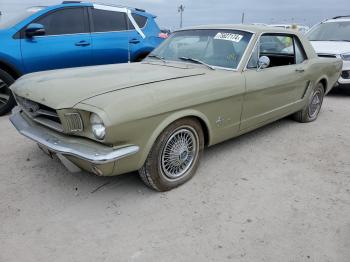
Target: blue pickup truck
x=72, y=34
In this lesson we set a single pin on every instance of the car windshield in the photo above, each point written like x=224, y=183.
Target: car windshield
x=8, y=21
x=213, y=48
x=330, y=31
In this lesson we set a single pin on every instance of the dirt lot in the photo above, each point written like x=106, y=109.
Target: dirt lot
x=281, y=193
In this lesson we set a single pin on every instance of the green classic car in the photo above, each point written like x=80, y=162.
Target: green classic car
x=202, y=86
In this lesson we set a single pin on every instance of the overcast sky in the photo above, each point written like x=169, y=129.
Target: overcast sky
x=219, y=11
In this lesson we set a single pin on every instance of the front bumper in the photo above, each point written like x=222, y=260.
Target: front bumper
x=64, y=145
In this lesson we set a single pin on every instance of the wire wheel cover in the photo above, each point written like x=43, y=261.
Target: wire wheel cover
x=4, y=93
x=179, y=153
x=315, y=105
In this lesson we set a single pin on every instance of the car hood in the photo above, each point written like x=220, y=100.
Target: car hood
x=65, y=88
x=331, y=47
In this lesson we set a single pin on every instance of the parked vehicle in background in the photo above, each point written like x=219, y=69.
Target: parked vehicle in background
x=165, y=32
x=72, y=34
x=301, y=28
x=208, y=84
x=331, y=38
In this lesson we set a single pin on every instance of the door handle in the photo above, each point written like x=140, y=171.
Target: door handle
x=134, y=41
x=82, y=43
x=300, y=70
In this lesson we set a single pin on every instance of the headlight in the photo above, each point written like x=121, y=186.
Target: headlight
x=97, y=127
x=345, y=56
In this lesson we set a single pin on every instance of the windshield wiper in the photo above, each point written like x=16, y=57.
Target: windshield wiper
x=196, y=61
x=157, y=57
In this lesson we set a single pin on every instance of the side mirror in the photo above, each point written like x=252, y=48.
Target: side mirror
x=35, y=30
x=263, y=62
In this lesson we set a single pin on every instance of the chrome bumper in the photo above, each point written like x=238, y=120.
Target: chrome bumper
x=69, y=146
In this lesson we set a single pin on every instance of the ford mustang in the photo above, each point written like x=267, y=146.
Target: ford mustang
x=200, y=87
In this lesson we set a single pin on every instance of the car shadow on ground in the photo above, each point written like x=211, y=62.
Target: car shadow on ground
x=340, y=91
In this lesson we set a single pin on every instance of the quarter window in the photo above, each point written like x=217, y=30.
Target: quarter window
x=64, y=21
x=107, y=21
x=140, y=20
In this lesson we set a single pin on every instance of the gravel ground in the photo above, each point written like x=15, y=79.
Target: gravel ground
x=281, y=193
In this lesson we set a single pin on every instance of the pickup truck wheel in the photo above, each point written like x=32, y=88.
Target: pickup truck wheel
x=175, y=156
x=311, y=111
x=7, y=101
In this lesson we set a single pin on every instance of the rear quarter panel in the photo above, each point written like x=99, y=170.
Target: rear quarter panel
x=326, y=70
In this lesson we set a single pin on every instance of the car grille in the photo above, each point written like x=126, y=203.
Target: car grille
x=41, y=114
x=327, y=55
x=74, y=122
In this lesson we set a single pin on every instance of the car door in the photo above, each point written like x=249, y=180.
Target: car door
x=273, y=92
x=66, y=43
x=109, y=35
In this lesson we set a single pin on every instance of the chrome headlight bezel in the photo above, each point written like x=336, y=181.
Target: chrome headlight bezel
x=345, y=56
x=98, y=128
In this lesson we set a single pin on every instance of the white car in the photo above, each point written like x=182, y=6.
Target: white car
x=331, y=38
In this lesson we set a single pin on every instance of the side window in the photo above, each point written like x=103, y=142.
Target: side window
x=64, y=21
x=276, y=44
x=140, y=20
x=300, y=55
x=278, y=48
x=107, y=21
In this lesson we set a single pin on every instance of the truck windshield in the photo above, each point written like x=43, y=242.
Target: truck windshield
x=213, y=48
x=330, y=31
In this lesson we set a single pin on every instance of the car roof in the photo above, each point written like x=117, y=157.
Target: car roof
x=243, y=27
x=341, y=18
x=89, y=3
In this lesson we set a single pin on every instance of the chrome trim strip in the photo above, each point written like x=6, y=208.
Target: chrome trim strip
x=46, y=113
x=48, y=123
x=246, y=51
x=90, y=151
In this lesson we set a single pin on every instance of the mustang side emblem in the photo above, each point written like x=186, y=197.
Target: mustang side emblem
x=220, y=121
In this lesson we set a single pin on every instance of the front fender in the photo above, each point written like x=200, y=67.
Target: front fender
x=169, y=120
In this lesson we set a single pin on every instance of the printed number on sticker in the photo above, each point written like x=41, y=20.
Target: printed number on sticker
x=229, y=37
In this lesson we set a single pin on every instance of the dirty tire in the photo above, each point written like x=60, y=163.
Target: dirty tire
x=311, y=111
x=175, y=156
x=7, y=101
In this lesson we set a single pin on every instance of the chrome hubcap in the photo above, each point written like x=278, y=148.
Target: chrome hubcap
x=315, y=104
x=4, y=93
x=179, y=153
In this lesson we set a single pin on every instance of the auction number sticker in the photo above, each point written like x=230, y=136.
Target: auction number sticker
x=229, y=37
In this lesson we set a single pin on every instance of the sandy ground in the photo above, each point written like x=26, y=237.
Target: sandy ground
x=281, y=193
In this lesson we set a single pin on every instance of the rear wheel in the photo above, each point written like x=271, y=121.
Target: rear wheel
x=311, y=111
x=7, y=101
x=175, y=156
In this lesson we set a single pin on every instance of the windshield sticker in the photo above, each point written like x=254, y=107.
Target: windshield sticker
x=229, y=37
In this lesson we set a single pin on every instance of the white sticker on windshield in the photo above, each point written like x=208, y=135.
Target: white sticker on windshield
x=229, y=37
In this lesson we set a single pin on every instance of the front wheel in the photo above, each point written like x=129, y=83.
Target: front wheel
x=311, y=111
x=7, y=101
x=175, y=156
